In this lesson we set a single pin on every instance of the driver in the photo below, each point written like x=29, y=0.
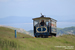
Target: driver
x=42, y=23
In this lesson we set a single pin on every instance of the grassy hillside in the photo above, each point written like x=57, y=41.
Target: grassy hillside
x=7, y=38
x=18, y=29
x=6, y=32
x=8, y=42
x=67, y=30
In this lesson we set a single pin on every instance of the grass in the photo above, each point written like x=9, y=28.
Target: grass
x=8, y=42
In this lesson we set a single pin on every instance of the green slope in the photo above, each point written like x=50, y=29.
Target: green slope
x=18, y=29
x=6, y=32
x=67, y=30
x=8, y=42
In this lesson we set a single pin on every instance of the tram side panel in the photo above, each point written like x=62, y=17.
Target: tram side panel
x=53, y=31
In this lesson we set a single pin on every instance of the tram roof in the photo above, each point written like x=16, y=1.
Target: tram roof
x=44, y=18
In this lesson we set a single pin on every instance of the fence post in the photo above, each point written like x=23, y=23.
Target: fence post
x=15, y=34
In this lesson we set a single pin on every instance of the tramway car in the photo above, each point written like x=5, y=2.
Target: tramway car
x=44, y=26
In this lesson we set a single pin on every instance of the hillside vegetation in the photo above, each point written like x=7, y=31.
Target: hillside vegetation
x=8, y=42
x=67, y=30
x=18, y=29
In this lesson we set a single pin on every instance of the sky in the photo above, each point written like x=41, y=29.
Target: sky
x=61, y=10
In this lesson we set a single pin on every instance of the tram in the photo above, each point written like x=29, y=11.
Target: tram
x=44, y=26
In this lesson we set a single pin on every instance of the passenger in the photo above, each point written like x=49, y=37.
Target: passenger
x=42, y=23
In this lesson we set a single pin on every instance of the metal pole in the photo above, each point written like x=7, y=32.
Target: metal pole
x=15, y=34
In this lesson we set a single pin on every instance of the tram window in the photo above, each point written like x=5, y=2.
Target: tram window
x=47, y=23
x=35, y=23
x=53, y=24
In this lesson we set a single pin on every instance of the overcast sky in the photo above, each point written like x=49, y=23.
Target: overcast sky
x=61, y=10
